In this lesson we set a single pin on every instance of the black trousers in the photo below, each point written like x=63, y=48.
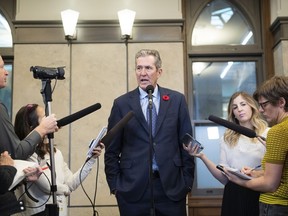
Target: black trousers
x=239, y=201
x=163, y=205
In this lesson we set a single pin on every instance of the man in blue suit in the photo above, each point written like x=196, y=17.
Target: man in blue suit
x=149, y=172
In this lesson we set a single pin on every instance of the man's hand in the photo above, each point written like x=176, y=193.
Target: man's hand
x=48, y=124
x=5, y=159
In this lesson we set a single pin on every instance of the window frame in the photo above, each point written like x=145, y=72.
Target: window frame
x=219, y=53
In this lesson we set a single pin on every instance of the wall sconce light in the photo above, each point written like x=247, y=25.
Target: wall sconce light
x=69, y=20
x=126, y=19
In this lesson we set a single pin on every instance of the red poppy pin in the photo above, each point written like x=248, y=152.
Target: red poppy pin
x=165, y=97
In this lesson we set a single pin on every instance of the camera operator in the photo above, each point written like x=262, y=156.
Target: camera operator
x=20, y=149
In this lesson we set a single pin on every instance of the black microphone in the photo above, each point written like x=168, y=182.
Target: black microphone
x=113, y=131
x=150, y=90
x=75, y=116
x=238, y=128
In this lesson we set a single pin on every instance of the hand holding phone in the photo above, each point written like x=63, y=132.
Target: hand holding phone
x=95, y=142
x=188, y=139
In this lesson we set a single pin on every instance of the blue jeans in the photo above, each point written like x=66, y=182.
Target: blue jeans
x=272, y=210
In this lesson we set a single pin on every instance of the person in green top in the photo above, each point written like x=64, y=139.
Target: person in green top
x=272, y=97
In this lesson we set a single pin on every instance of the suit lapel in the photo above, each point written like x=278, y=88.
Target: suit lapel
x=137, y=109
x=164, y=104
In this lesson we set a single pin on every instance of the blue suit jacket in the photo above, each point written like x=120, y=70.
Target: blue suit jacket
x=127, y=156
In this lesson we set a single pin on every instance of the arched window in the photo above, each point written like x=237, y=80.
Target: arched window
x=5, y=33
x=221, y=23
x=224, y=56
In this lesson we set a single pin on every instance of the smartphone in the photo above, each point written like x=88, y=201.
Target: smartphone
x=93, y=144
x=188, y=139
x=220, y=167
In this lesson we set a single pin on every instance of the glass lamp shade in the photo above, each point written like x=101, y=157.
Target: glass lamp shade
x=69, y=20
x=126, y=19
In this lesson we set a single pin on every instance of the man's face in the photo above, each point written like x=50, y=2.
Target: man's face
x=3, y=74
x=270, y=112
x=146, y=72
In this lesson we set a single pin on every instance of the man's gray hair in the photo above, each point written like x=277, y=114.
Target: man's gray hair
x=149, y=52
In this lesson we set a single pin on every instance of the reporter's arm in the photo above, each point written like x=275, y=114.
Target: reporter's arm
x=209, y=164
x=268, y=182
x=213, y=170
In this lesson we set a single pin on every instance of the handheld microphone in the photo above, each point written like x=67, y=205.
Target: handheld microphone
x=238, y=128
x=120, y=125
x=75, y=116
x=150, y=90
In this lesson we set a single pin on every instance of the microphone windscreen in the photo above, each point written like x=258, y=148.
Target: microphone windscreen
x=119, y=126
x=238, y=128
x=150, y=89
x=75, y=116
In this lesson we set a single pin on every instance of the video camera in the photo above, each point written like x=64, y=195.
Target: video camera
x=47, y=73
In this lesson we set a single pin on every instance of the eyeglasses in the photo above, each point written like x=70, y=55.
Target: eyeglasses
x=264, y=104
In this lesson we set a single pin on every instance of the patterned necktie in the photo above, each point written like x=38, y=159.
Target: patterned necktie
x=154, y=117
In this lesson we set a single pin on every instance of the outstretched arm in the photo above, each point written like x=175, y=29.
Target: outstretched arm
x=269, y=182
x=209, y=164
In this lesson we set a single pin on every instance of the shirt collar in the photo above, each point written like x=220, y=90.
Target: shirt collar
x=143, y=93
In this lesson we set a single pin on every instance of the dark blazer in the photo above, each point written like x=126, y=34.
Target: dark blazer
x=9, y=141
x=7, y=174
x=8, y=201
x=127, y=156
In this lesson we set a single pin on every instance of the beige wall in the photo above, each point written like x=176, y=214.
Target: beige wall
x=98, y=9
x=97, y=74
x=278, y=8
x=280, y=58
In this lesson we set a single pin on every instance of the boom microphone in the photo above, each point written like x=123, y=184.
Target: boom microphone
x=75, y=116
x=120, y=125
x=238, y=128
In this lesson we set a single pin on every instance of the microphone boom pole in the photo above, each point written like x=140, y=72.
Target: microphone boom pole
x=51, y=209
x=150, y=90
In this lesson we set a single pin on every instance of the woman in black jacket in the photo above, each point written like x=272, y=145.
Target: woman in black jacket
x=8, y=202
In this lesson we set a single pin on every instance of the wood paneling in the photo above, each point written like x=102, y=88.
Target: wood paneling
x=204, y=206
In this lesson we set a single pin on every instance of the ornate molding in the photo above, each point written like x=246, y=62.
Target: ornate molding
x=279, y=29
x=51, y=32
